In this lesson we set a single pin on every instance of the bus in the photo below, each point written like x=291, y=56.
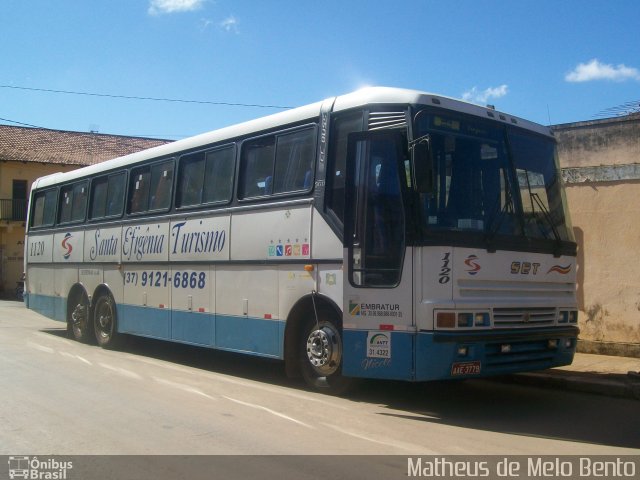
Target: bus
x=386, y=233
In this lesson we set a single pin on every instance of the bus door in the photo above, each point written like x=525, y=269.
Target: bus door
x=378, y=321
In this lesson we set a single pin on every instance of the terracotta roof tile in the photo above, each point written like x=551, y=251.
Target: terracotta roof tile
x=21, y=144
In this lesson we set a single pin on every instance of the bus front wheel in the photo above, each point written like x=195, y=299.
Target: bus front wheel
x=321, y=357
x=104, y=320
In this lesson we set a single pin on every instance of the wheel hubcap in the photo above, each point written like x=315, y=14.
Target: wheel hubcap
x=104, y=320
x=79, y=316
x=324, y=349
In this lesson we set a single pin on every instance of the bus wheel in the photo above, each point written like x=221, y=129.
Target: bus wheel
x=104, y=320
x=321, y=357
x=79, y=321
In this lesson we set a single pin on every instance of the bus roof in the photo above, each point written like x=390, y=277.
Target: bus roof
x=359, y=98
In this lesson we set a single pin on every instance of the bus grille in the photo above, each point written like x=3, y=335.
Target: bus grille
x=489, y=289
x=524, y=317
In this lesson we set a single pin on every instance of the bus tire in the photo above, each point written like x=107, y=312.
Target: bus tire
x=105, y=321
x=321, y=356
x=79, y=321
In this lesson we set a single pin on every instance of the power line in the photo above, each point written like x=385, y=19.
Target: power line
x=160, y=137
x=155, y=99
x=19, y=123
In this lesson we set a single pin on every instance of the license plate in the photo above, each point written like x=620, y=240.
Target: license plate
x=465, y=368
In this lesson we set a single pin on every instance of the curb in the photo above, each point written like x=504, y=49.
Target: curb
x=612, y=385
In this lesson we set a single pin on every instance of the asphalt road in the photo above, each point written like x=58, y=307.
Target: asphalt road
x=61, y=397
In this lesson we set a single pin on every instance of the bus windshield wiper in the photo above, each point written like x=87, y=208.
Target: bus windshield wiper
x=496, y=220
x=547, y=216
x=424, y=139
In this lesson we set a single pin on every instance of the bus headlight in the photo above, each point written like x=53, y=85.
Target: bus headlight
x=452, y=320
x=465, y=319
x=482, y=319
x=568, y=316
x=446, y=320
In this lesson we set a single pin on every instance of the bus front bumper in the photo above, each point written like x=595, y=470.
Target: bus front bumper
x=428, y=355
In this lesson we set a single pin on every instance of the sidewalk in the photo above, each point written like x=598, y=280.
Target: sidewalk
x=601, y=374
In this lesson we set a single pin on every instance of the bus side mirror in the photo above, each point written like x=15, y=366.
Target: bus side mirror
x=423, y=167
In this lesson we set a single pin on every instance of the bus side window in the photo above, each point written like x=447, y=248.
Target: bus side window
x=50, y=207
x=107, y=196
x=99, y=192
x=73, y=202
x=206, y=177
x=38, y=210
x=115, y=198
x=191, y=175
x=79, y=206
x=294, y=161
x=218, y=185
x=161, y=186
x=66, y=198
x=139, y=190
x=276, y=164
x=257, y=167
x=44, y=210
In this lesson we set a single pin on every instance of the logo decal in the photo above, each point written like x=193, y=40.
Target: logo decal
x=374, y=309
x=379, y=339
x=379, y=345
x=67, y=246
x=474, y=267
x=560, y=269
x=288, y=250
x=524, y=268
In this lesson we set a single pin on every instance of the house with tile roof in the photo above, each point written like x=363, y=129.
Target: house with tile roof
x=29, y=153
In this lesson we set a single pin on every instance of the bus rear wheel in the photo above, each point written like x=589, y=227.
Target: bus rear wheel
x=104, y=321
x=321, y=357
x=79, y=321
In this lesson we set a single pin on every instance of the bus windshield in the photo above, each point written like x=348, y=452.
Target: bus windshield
x=489, y=180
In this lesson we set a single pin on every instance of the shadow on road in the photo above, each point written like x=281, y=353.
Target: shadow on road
x=478, y=404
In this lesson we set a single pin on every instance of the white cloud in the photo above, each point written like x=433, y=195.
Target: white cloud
x=482, y=97
x=595, y=70
x=157, y=7
x=205, y=23
x=229, y=24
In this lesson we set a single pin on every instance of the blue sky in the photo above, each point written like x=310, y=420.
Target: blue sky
x=548, y=61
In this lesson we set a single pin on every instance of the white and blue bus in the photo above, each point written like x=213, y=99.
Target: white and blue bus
x=386, y=233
